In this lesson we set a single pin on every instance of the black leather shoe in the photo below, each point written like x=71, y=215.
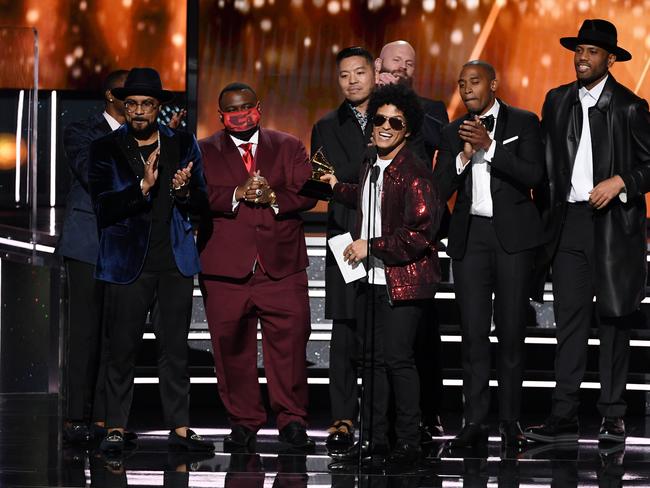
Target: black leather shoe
x=295, y=435
x=405, y=454
x=376, y=453
x=342, y=438
x=76, y=433
x=554, y=429
x=470, y=436
x=511, y=435
x=240, y=438
x=612, y=429
x=97, y=432
x=191, y=442
x=113, y=442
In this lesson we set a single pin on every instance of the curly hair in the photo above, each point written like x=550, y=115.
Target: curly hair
x=401, y=97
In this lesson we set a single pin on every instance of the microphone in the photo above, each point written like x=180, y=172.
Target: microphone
x=374, y=174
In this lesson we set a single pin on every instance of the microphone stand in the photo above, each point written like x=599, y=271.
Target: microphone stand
x=367, y=371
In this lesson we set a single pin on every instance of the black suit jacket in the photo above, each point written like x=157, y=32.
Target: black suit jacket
x=620, y=137
x=425, y=143
x=79, y=239
x=516, y=168
x=344, y=145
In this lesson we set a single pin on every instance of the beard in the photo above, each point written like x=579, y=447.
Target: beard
x=142, y=132
x=401, y=76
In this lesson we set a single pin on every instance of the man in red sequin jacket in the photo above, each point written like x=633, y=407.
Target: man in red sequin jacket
x=398, y=214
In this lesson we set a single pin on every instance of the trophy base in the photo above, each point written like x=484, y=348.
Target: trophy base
x=316, y=189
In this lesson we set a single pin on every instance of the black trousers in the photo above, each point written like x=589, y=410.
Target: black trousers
x=574, y=279
x=487, y=268
x=126, y=313
x=389, y=364
x=84, y=368
x=428, y=360
x=344, y=362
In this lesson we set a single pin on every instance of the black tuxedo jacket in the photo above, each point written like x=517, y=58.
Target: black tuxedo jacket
x=344, y=144
x=516, y=168
x=620, y=138
x=425, y=143
x=80, y=239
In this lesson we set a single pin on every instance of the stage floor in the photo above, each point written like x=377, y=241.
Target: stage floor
x=32, y=455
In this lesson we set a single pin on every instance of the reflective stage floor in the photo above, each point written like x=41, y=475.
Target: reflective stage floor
x=32, y=455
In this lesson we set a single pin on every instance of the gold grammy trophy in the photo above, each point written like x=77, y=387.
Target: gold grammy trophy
x=314, y=187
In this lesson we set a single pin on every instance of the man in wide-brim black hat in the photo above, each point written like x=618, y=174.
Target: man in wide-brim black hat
x=145, y=180
x=593, y=207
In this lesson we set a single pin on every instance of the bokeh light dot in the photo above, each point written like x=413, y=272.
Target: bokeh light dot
x=32, y=15
x=334, y=7
x=428, y=5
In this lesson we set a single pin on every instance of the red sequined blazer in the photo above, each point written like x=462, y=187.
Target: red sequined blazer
x=410, y=215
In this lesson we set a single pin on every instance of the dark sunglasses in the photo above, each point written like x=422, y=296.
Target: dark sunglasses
x=395, y=123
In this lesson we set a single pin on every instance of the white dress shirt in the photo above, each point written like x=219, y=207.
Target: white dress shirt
x=582, y=178
x=238, y=142
x=376, y=273
x=481, y=169
x=111, y=121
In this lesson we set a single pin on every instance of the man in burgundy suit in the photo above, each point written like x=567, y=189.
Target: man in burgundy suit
x=253, y=257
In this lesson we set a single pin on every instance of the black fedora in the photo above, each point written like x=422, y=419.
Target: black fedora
x=597, y=32
x=145, y=82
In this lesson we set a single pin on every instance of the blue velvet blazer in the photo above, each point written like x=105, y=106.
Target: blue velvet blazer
x=124, y=214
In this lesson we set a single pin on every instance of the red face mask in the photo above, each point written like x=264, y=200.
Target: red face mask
x=242, y=120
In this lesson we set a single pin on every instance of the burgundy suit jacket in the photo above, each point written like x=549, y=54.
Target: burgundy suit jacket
x=229, y=242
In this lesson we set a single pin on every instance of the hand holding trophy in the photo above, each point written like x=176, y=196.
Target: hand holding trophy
x=314, y=187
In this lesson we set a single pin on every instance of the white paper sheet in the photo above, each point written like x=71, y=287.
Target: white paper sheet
x=350, y=272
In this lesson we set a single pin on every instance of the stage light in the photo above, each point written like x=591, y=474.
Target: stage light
x=8, y=153
x=428, y=5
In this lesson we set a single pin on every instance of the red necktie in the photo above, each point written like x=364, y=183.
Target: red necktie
x=249, y=161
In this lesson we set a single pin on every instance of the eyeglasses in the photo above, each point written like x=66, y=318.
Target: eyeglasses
x=147, y=106
x=394, y=122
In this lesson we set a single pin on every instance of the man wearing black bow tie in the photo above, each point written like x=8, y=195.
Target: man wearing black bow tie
x=493, y=156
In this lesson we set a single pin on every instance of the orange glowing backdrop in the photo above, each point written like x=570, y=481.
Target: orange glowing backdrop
x=286, y=48
x=81, y=41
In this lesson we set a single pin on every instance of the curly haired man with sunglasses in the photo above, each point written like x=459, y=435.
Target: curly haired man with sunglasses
x=398, y=213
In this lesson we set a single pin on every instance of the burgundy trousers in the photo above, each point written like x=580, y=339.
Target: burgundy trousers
x=233, y=307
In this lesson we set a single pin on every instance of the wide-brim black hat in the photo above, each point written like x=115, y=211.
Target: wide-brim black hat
x=597, y=32
x=144, y=82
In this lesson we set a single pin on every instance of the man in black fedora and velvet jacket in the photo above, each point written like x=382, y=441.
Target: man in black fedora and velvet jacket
x=598, y=166
x=493, y=156
x=145, y=180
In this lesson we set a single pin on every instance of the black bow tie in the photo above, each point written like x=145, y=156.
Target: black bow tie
x=488, y=122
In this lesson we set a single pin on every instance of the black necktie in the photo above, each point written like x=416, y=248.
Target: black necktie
x=488, y=122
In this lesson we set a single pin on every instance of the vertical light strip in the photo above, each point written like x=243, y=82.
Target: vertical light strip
x=643, y=75
x=52, y=221
x=478, y=49
x=53, y=112
x=19, y=140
